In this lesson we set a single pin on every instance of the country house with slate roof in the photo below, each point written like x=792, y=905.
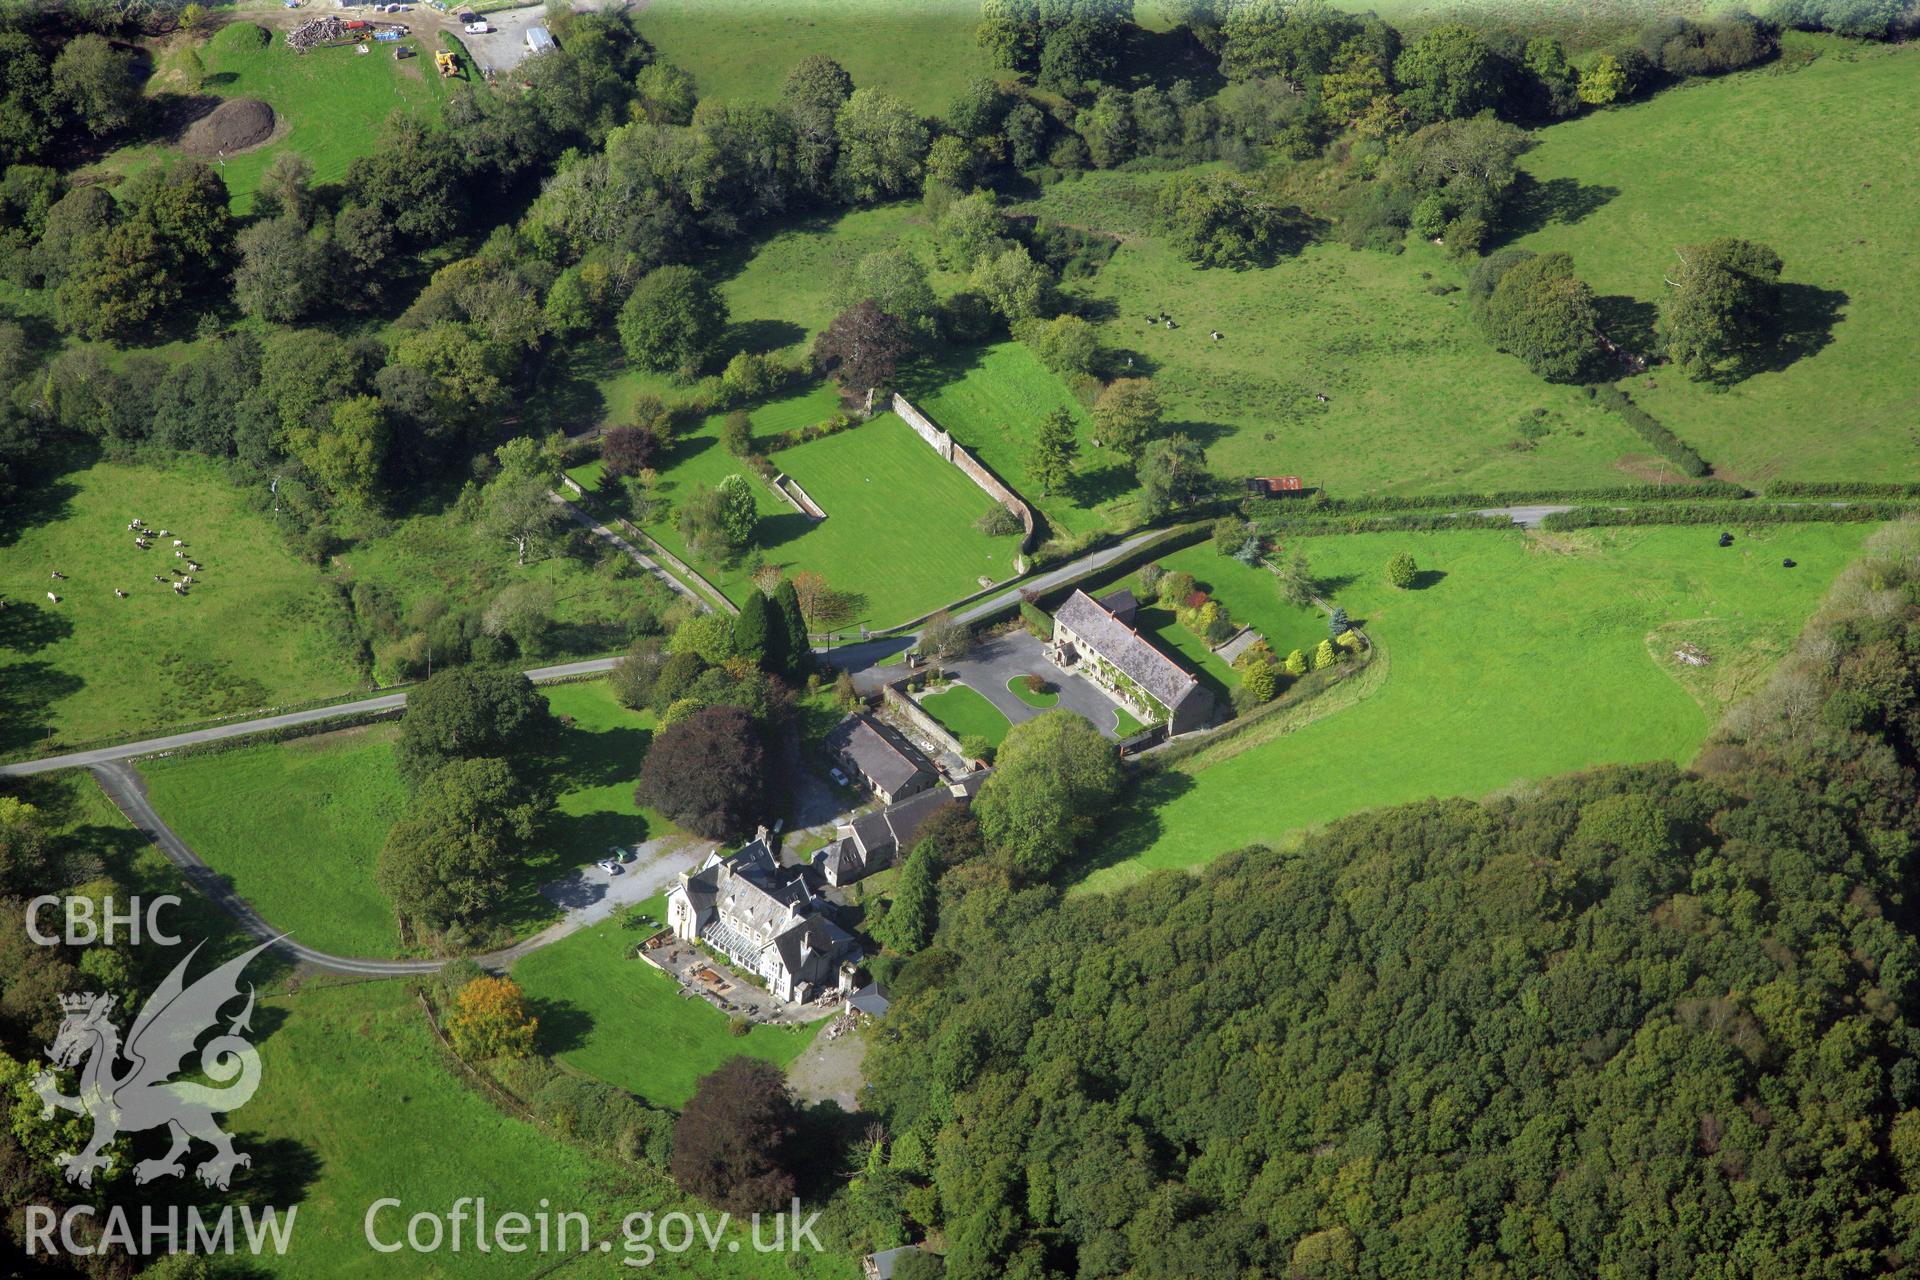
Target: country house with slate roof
x=764, y=918
x=1093, y=638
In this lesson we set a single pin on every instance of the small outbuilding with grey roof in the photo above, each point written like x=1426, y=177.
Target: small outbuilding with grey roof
x=1091, y=639
x=891, y=769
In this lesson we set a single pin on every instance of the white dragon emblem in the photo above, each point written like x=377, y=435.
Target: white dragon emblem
x=143, y=1096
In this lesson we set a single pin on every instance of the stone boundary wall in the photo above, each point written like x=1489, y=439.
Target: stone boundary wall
x=789, y=488
x=970, y=466
x=895, y=696
x=678, y=565
x=637, y=534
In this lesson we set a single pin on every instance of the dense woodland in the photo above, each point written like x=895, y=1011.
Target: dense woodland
x=1639, y=1022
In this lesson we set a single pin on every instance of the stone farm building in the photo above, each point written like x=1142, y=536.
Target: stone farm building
x=764, y=918
x=890, y=768
x=874, y=841
x=1096, y=639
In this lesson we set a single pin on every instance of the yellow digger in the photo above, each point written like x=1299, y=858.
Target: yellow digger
x=448, y=64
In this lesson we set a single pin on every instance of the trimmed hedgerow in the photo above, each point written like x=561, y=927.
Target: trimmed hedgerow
x=1650, y=429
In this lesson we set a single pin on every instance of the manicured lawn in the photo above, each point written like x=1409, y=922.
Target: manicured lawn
x=965, y=712
x=991, y=399
x=1125, y=724
x=1018, y=688
x=356, y=1104
x=297, y=826
x=899, y=529
x=1526, y=656
x=1416, y=400
x=330, y=104
x=741, y=50
x=1709, y=160
x=600, y=754
x=259, y=628
x=900, y=522
x=628, y=1023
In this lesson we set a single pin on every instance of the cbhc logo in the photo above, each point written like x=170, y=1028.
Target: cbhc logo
x=88, y=921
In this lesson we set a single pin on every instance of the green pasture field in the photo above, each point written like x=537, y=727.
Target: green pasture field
x=966, y=713
x=297, y=826
x=1520, y=656
x=899, y=529
x=1817, y=163
x=1580, y=24
x=258, y=629
x=634, y=1028
x=296, y=829
x=742, y=50
x=1250, y=595
x=991, y=399
x=331, y=103
x=1416, y=399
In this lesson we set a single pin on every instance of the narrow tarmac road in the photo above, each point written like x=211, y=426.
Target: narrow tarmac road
x=242, y=728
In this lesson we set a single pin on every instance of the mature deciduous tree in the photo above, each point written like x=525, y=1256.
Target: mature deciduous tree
x=98, y=83
x=673, y=320
x=447, y=861
x=1541, y=312
x=1127, y=416
x=883, y=146
x=490, y=1020
x=1448, y=73
x=1173, y=474
x=1053, y=777
x=1724, y=302
x=468, y=712
x=1224, y=220
x=863, y=346
x=708, y=773
x=733, y=1145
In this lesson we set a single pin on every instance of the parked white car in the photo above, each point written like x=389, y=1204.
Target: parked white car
x=477, y=28
x=609, y=866
x=838, y=776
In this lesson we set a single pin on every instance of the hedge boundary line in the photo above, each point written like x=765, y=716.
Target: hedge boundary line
x=1740, y=514
x=1405, y=522
x=1679, y=492
x=1840, y=489
x=285, y=733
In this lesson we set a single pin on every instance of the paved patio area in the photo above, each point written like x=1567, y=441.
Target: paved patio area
x=998, y=659
x=716, y=982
